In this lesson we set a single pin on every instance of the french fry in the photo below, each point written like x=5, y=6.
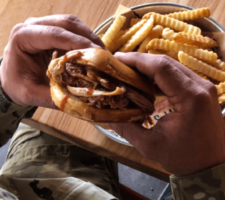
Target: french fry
x=138, y=37
x=168, y=34
x=200, y=74
x=121, y=32
x=173, y=23
x=122, y=39
x=111, y=46
x=221, y=98
x=101, y=35
x=191, y=14
x=220, y=88
x=201, y=67
x=152, y=51
x=154, y=33
x=219, y=64
x=195, y=40
x=167, y=45
x=113, y=30
x=134, y=21
x=171, y=54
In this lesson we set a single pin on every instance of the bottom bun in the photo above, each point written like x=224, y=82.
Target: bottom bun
x=73, y=106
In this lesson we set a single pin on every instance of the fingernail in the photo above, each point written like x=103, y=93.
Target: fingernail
x=119, y=54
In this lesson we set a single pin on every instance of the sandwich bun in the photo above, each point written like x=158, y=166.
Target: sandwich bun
x=100, y=60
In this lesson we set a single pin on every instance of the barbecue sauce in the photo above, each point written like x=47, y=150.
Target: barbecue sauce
x=89, y=91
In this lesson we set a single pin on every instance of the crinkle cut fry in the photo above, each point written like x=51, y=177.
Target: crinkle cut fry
x=133, y=21
x=190, y=14
x=168, y=34
x=219, y=64
x=122, y=39
x=173, y=23
x=113, y=30
x=156, y=32
x=201, y=54
x=220, y=88
x=201, y=67
x=138, y=37
x=195, y=40
x=221, y=98
x=200, y=74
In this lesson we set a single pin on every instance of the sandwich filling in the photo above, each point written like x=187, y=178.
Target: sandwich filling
x=99, y=90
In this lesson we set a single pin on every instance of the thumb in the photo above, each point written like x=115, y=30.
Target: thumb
x=40, y=96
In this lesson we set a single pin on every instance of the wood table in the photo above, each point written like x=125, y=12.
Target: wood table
x=92, y=13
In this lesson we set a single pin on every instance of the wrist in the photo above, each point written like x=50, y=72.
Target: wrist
x=2, y=92
x=3, y=95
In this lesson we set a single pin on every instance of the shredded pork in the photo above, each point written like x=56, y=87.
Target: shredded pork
x=77, y=75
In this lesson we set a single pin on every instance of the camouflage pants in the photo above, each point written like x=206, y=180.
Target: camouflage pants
x=40, y=166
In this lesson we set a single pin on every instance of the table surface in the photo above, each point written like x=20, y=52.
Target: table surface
x=92, y=13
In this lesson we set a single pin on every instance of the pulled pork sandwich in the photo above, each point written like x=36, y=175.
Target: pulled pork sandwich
x=93, y=85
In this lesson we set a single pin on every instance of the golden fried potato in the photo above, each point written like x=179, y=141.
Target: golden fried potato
x=190, y=14
x=113, y=30
x=195, y=40
x=138, y=37
x=122, y=39
x=167, y=45
x=156, y=32
x=173, y=23
x=168, y=34
x=134, y=21
x=201, y=67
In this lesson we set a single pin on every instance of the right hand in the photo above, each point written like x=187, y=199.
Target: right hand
x=188, y=140
x=29, y=50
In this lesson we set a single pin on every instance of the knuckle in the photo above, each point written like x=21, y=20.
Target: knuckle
x=163, y=60
x=136, y=55
x=6, y=49
x=139, y=57
x=206, y=93
x=69, y=19
x=212, y=89
x=16, y=33
x=54, y=31
x=29, y=20
x=164, y=63
x=81, y=41
x=202, y=96
x=16, y=28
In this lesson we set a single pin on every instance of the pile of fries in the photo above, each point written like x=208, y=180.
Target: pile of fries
x=170, y=35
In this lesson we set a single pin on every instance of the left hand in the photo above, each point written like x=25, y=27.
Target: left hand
x=29, y=50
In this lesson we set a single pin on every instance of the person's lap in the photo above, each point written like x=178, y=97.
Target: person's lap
x=37, y=155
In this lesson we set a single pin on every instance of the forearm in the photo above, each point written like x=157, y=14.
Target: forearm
x=208, y=184
x=10, y=115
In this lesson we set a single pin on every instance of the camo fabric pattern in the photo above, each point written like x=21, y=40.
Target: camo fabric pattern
x=10, y=115
x=205, y=185
x=40, y=166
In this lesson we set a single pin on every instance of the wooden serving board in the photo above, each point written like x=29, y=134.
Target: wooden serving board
x=92, y=13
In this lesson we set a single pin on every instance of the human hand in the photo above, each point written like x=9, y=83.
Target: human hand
x=28, y=53
x=188, y=140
